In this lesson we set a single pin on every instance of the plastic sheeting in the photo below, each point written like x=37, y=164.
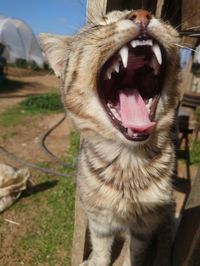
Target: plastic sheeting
x=19, y=42
x=185, y=55
x=12, y=183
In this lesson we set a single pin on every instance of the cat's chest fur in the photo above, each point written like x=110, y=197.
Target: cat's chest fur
x=123, y=181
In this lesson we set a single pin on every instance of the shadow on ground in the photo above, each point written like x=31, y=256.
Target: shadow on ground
x=9, y=87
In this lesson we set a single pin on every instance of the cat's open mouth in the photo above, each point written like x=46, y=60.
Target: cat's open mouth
x=130, y=86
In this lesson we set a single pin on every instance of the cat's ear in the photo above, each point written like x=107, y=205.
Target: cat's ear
x=55, y=48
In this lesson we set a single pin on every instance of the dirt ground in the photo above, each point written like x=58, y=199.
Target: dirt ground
x=24, y=140
x=25, y=83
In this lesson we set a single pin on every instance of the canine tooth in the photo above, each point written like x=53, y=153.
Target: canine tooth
x=150, y=42
x=124, y=55
x=157, y=52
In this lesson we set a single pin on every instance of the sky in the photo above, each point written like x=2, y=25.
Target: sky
x=52, y=16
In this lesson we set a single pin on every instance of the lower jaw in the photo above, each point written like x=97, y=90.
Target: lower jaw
x=138, y=137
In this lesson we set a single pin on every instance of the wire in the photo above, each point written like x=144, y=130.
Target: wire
x=43, y=147
x=31, y=165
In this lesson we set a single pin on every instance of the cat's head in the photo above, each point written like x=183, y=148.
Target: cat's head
x=118, y=75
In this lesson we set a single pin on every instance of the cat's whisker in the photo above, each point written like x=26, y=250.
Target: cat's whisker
x=194, y=27
x=187, y=45
x=182, y=46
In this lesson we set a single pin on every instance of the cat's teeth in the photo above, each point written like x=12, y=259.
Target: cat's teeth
x=136, y=43
x=115, y=113
x=149, y=42
x=131, y=133
x=109, y=105
x=155, y=66
x=111, y=69
x=148, y=105
x=116, y=67
x=157, y=52
x=124, y=55
x=108, y=73
x=150, y=101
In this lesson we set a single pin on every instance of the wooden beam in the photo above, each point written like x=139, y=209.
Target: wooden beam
x=159, y=8
x=99, y=7
x=187, y=241
x=80, y=243
x=190, y=14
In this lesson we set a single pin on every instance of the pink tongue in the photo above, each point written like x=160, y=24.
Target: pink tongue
x=134, y=113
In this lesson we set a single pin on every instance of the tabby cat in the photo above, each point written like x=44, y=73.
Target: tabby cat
x=119, y=78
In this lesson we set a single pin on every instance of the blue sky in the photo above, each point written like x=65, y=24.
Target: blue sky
x=53, y=16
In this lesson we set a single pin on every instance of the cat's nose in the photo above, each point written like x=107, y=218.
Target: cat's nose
x=141, y=17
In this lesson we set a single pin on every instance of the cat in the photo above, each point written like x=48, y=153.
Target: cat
x=119, y=84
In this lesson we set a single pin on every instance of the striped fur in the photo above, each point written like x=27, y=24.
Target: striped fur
x=124, y=186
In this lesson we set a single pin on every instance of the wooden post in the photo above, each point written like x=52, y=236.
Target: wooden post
x=187, y=241
x=80, y=243
x=99, y=7
x=190, y=14
x=159, y=7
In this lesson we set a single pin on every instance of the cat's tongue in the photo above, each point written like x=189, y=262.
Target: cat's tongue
x=134, y=114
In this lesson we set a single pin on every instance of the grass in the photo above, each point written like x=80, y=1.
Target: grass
x=53, y=226
x=195, y=153
x=52, y=241
x=42, y=103
x=49, y=210
x=31, y=106
x=7, y=135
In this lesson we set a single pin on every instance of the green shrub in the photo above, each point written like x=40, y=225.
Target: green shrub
x=21, y=63
x=45, y=102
